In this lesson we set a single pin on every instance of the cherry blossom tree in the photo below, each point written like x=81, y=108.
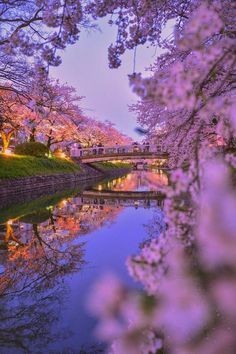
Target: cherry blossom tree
x=31, y=34
x=10, y=117
x=187, y=104
x=52, y=116
x=192, y=78
x=105, y=133
x=59, y=117
x=39, y=27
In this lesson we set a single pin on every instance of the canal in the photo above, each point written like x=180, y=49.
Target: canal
x=54, y=248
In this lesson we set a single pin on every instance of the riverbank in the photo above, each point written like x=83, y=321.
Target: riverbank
x=16, y=166
x=53, y=175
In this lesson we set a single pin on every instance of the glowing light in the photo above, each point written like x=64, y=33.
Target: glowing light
x=63, y=203
x=8, y=152
x=100, y=187
x=62, y=155
x=49, y=154
x=10, y=222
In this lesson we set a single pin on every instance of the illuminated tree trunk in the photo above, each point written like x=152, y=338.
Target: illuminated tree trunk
x=6, y=139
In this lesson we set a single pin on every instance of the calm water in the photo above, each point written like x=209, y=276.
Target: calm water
x=54, y=248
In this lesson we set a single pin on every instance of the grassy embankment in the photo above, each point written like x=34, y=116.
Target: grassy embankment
x=35, y=206
x=15, y=166
x=107, y=165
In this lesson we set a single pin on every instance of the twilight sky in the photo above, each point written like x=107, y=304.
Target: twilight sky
x=85, y=66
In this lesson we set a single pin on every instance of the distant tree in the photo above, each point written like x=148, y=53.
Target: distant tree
x=105, y=133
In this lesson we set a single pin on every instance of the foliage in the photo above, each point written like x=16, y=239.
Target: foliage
x=33, y=148
x=24, y=166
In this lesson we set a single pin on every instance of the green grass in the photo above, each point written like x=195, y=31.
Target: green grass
x=111, y=165
x=15, y=166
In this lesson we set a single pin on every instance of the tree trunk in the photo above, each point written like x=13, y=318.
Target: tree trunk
x=49, y=143
x=32, y=135
x=6, y=139
x=50, y=138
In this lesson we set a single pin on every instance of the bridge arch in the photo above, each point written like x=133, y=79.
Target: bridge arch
x=119, y=152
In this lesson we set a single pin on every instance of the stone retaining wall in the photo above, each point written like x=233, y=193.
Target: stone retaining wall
x=32, y=187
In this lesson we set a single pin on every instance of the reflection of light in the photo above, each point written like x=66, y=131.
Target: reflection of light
x=8, y=152
x=100, y=187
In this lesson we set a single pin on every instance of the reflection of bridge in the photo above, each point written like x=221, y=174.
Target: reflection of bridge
x=119, y=152
x=120, y=198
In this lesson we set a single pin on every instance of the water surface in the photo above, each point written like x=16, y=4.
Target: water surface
x=54, y=248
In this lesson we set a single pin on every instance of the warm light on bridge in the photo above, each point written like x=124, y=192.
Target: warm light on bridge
x=120, y=153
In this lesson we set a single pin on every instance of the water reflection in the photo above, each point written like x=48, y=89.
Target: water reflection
x=35, y=261
x=43, y=245
x=136, y=181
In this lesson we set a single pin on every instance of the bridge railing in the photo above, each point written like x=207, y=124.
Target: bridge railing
x=116, y=150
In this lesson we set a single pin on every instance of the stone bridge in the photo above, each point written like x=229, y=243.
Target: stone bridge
x=119, y=152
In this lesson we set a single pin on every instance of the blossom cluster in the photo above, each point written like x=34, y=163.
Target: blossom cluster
x=188, y=106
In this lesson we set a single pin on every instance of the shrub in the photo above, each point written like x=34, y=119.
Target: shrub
x=32, y=149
